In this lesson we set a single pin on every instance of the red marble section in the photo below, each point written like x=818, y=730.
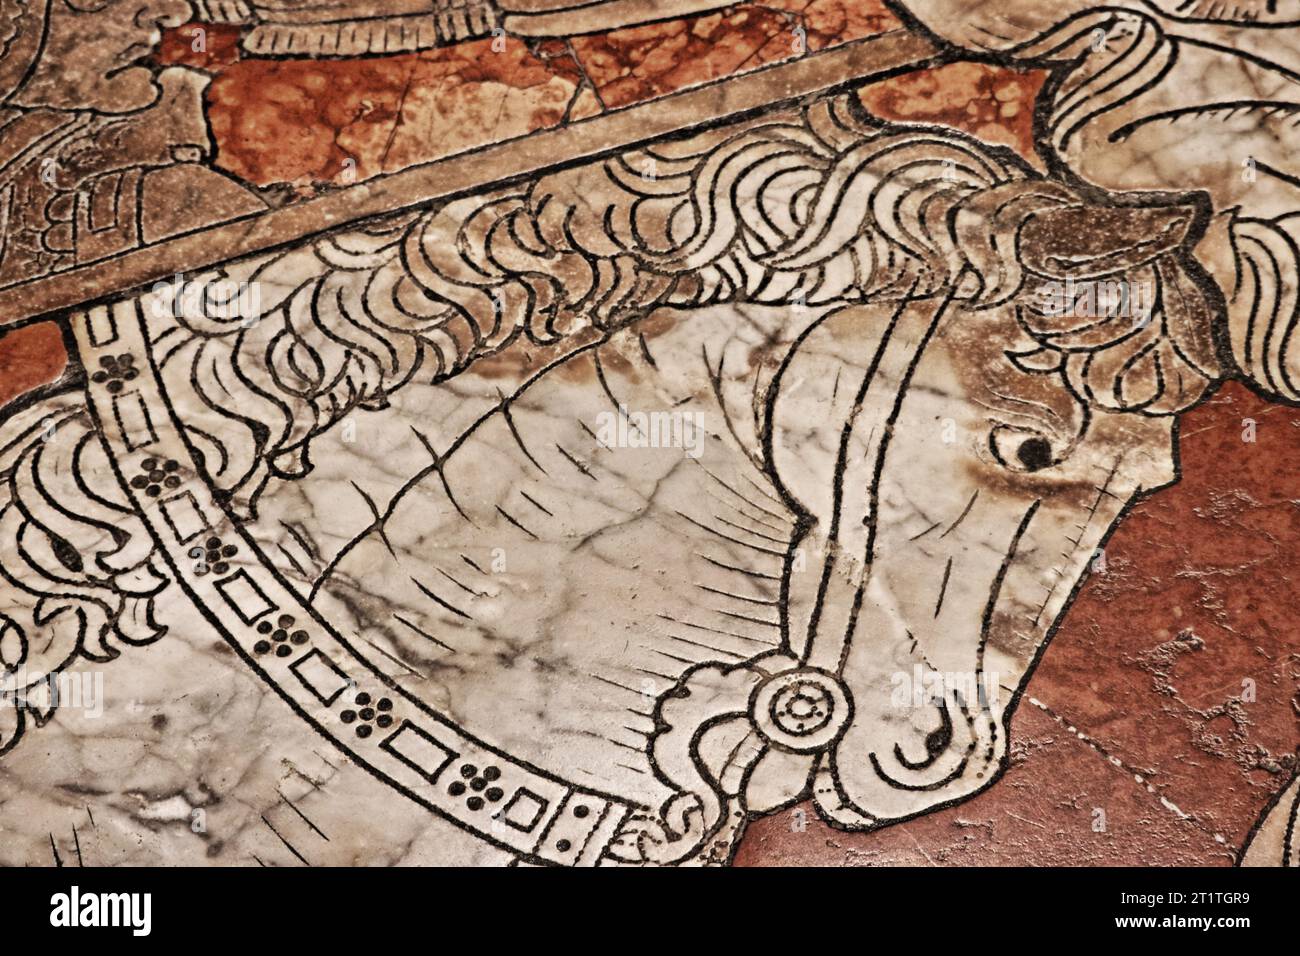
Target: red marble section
x=1151, y=666
x=29, y=358
x=476, y=93
x=308, y=122
x=828, y=23
x=341, y=121
x=205, y=46
x=1042, y=812
x=1194, y=618
x=283, y=120
x=993, y=103
x=640, y=63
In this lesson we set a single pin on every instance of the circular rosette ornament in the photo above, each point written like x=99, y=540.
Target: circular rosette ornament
x=735, y=740
x=801, y=711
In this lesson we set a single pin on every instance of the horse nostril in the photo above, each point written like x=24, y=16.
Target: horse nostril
x=1035, y=453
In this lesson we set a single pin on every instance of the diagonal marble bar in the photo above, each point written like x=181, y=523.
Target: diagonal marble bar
x=861, y=61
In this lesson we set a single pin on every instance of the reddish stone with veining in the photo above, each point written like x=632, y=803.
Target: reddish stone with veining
x=342, y=121
x=1193, y=621
x=992, y=103
x=308, y=122
x=831, y=22
x=29, y=358
x=640, y=63
x=205, y=46
x=1042, y=812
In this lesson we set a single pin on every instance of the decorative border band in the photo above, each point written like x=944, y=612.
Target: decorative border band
x=322, y=677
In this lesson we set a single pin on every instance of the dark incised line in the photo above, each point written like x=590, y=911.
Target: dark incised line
x=594, y=437
x=738, y=597
x=291, y=847
x=576, y=463
x=611, y=740
x=304, y=818
x=671, y=678
x=748, y=501
x=297, y=566
x=731, y=567
x=995, y=590
x=1288, y=841
x=609, y=392
x=943, y=588
x=463, y=587
x=422, y=632
x=672, y=657
x=726, y=537
x=841, y=461
x=645, y=350
x=916, y=537
x=510, y=424
x=764, y=492
x=614, y=683
x=437, y=463
x=537, y=504
x=712, y=630
x=377, y=524
x=715, y=382
x=511, y=518
x=433, y=597
x=961, y=517
x=707, y=647
x=751, y=620
x=398, y=661
x=783, y=542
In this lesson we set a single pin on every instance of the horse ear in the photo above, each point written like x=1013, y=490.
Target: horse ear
x=1090, y=241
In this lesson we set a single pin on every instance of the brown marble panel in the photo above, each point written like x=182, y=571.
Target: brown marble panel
x=30, y=357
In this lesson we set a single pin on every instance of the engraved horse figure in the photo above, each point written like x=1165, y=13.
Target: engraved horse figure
x=904, y=427
x=709, y=477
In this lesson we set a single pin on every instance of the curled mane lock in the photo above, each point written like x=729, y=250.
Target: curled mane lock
x=813, y=207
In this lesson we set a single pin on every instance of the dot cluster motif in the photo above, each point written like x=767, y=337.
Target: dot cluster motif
x=282, y=636
x=369, y=712
x=115, y=370
x=155, y=475
x=212, y=556
x=478, y=785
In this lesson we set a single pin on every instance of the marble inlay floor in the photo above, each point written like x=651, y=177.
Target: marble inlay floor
x=613, y=432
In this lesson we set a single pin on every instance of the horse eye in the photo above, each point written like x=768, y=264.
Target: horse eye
x=1021, y=450
x=1034, y=453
